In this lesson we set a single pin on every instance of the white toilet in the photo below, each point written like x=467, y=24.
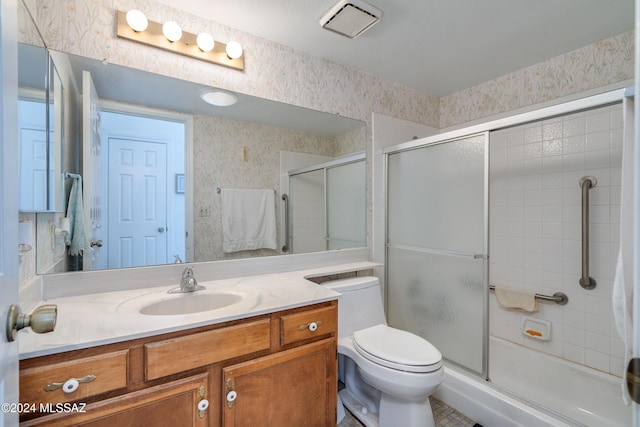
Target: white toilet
x=389, y=374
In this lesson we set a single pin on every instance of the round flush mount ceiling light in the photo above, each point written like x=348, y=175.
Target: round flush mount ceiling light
x=172, y=31
x=205, y=42
x=234, y=50
x=137, y=20
x=219, y=98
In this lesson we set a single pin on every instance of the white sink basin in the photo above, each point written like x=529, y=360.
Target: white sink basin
x=190, y=303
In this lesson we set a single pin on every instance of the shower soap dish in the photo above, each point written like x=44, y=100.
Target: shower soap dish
x=536, y=328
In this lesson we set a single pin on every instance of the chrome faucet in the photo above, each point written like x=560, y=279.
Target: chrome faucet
x=187, y=284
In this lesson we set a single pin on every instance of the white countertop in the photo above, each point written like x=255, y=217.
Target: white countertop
x=104, y=318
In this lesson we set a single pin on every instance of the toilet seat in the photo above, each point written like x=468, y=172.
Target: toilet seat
x=397, y=349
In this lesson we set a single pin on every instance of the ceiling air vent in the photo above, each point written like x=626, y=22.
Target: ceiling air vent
x=350, y=18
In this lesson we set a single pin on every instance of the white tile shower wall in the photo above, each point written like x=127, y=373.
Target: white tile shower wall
x=535, y=230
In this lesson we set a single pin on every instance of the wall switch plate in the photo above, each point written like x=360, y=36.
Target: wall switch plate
x=204, y=211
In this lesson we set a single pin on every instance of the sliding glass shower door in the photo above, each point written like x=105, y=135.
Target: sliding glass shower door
x=327, y=206
x=346, y=206
x=437, y=246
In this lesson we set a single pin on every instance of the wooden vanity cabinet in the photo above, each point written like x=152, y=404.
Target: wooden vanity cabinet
x=292, y=388
x=281, y=368
x=174, y=403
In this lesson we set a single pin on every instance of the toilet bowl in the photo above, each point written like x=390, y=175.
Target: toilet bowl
x=388, y=373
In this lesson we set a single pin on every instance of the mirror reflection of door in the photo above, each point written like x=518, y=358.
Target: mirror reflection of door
x=137, y=206
x=145, y=209
x=33, y=154
x=92, y=173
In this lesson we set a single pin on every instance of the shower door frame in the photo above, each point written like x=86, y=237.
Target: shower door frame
x=430, y=142
x=341, y=161
x=588, y=102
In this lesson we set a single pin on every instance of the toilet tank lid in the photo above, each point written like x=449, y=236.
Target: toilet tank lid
x=352, y=283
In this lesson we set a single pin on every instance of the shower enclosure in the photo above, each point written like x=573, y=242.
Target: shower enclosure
x=501, y=205
x=437, y=243
x=326, y=206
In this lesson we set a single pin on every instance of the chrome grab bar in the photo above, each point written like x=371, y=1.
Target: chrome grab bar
x=586, y=183
x=285, y=247
x=559, y=297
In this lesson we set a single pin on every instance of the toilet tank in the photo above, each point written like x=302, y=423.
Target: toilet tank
x=360, y=305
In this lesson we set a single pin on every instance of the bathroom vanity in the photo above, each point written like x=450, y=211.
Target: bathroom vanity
x=276, y=368
x=269, y=360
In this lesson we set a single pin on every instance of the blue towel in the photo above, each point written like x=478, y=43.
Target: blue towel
x=78, y=240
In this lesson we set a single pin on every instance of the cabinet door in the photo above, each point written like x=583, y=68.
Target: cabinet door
x=171, y=404
x=297, y=387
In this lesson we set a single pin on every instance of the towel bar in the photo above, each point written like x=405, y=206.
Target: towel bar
x=559, y=297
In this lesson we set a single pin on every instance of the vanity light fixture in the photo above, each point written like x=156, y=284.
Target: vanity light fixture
x=169, y=36
x=219, y=98
x=137, y=20
x=205, y=42
x=172, y=31
x=234, y=50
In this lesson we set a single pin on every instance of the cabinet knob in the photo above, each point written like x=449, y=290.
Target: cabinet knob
x=311, y=326
x=203, y=405
x=70, y=385
x=231, y=394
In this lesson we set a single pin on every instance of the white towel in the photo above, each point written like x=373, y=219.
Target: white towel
x=518, y=300
x=622, y=296
x=248, y=220
x=78, y=240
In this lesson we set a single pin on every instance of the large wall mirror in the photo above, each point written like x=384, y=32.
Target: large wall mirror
x=40, y=130
x=142, y=119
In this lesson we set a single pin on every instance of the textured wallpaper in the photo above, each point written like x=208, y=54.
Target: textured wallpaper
x=599, y=64
x=272, y=71
x=219, y=162
x=280, y=73
x=351, y=142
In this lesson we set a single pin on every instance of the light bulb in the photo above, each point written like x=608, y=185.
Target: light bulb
x=205, y=42
x=234, y=50
x=172, y=31
x=137, y=20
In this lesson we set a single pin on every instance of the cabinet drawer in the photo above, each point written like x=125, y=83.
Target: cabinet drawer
x=110, y=371
x=171, y=404
x=300, y=326
x=180, y=354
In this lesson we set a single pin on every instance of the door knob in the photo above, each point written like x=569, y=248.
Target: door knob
x=41, y=320
x=97, y=243
x=160, y=229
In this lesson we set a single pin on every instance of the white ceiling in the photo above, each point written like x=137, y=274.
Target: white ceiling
x=436, y=46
